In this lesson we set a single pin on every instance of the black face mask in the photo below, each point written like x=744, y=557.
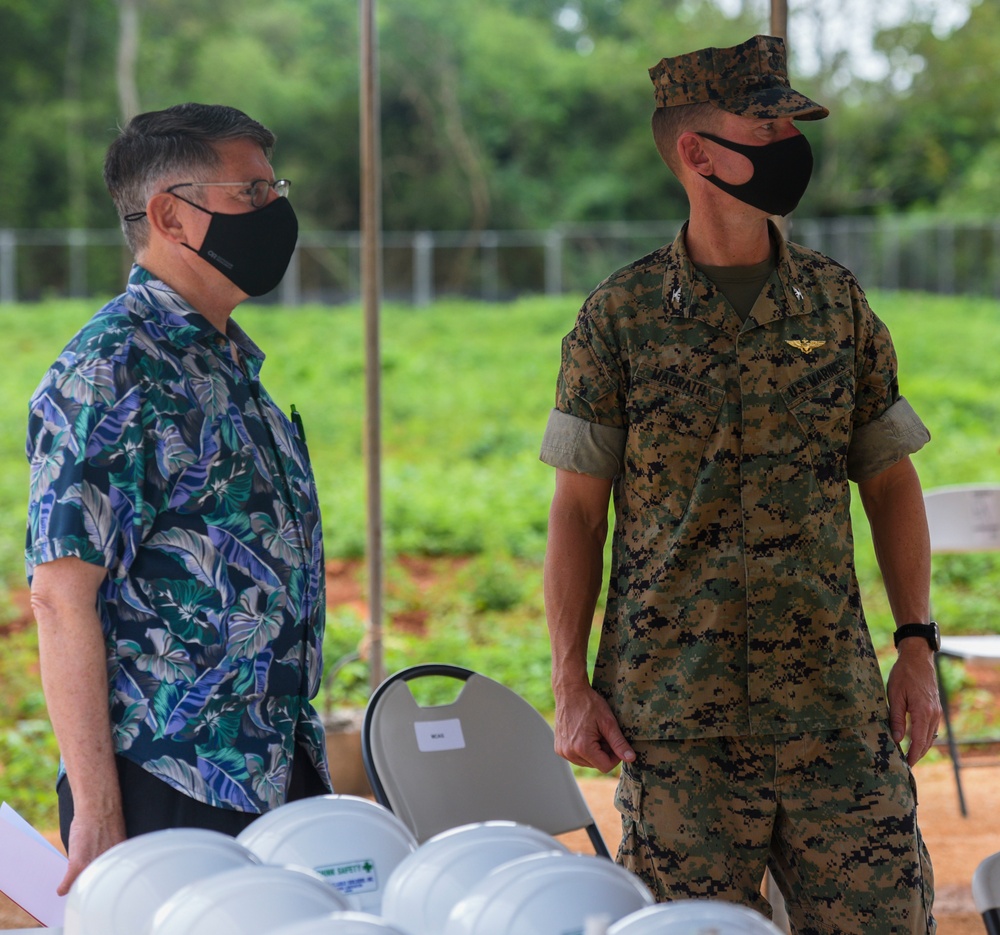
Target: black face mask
x=781, y=173
x=251, y=250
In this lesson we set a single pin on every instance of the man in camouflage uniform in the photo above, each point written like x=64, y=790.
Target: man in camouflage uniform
x=726, y=388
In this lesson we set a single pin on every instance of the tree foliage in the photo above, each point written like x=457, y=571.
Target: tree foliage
x=926, y=140
x=509, y=114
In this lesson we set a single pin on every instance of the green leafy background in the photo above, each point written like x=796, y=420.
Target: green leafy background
x=467, y=390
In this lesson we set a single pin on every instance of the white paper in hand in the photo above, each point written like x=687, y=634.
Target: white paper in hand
x=30, y=869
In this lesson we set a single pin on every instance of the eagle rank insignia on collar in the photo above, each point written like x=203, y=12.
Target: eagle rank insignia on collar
x=806, y=346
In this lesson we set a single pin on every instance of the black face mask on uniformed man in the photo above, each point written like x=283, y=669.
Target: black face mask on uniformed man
x=252, y=249
x=781, y=172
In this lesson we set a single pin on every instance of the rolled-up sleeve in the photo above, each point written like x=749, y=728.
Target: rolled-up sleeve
x=575, y=444
x=879, y=444
x=586, y=430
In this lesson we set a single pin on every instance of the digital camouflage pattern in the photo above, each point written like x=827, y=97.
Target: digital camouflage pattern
x=733, y=608
x=155, y=456
x=749, y=79
x=831, y=814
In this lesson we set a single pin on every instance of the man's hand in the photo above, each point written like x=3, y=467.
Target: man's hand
x=912, y=690
x=88, y=839
x=587, y=733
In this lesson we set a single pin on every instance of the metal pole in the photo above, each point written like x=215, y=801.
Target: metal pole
x=779, y=18
x=553, y=262
x=291, y=284
x=371, y=288
x=423, y=268
x=779, y=27
x=77, y=240
x=8, y=266
x=490, y=243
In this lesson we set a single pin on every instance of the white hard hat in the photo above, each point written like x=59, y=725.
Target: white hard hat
x=545, y=893
x=425, y=887
x=119, y=891
x=351, y=842
x=251, y=899
x=695, y=917
x=340, y=923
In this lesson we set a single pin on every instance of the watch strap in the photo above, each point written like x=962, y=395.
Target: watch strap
x=929, y=631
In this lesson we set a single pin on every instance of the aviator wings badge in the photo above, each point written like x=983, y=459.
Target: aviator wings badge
x=806, y=346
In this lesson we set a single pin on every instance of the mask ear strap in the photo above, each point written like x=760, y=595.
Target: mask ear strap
x=193, y=205
x=163, y=216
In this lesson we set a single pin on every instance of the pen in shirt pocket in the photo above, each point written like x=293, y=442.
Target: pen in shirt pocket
x=297, y=422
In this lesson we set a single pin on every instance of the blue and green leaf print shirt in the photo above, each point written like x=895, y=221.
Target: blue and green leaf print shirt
x=158, y=457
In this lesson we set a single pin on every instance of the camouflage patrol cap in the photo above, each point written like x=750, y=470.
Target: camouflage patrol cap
x=749, y=79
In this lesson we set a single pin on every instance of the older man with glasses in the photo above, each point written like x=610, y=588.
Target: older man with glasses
x=174, y=546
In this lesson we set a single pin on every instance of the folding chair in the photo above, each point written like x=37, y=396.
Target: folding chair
x=488, y=755
x=963, y=518
x=986, y=892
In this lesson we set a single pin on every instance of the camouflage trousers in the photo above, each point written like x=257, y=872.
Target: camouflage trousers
x=831, y=814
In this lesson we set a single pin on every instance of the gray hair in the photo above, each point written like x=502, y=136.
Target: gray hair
x=176, y=143
x=670, y=122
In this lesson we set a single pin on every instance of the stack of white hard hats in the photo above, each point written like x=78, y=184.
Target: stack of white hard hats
x=695, y=917
x=341, y=923
x=548, y=892
x=351, y=842
x=118, y=892
x=249, y=900
x=342, y=865
x=427, y=884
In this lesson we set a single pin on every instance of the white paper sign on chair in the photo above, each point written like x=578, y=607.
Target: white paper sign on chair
x=434, y=736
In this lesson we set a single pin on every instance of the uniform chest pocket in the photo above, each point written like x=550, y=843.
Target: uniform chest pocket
x=670, y=420
x=821, y=404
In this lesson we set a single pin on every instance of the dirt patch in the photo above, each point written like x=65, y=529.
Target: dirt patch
x=413, y=584
x=22, y=618
x=344, y=587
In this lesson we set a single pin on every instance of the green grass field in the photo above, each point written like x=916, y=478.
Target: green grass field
x=467, y=388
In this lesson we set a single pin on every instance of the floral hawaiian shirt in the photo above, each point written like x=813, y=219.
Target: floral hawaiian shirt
x=158, y=457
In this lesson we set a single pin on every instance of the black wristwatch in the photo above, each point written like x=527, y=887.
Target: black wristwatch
x=929, y=631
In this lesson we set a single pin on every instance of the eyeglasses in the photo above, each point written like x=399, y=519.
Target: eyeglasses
x=258, y=190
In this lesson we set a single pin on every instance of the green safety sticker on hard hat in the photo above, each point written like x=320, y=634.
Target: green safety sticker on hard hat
x=356, y=876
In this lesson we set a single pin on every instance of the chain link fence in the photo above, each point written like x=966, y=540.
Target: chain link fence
x=895, y=253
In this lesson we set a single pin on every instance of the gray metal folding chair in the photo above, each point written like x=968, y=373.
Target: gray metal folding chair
x=488, y=755
x=986, y=892
x=963, y=518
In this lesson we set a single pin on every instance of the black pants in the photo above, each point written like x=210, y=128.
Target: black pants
x=149, y=804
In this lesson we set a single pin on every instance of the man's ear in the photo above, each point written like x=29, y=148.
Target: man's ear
x=165, y=219
x=692, y=153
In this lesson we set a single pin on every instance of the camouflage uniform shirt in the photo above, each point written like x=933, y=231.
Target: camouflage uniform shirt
x=733, y=608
